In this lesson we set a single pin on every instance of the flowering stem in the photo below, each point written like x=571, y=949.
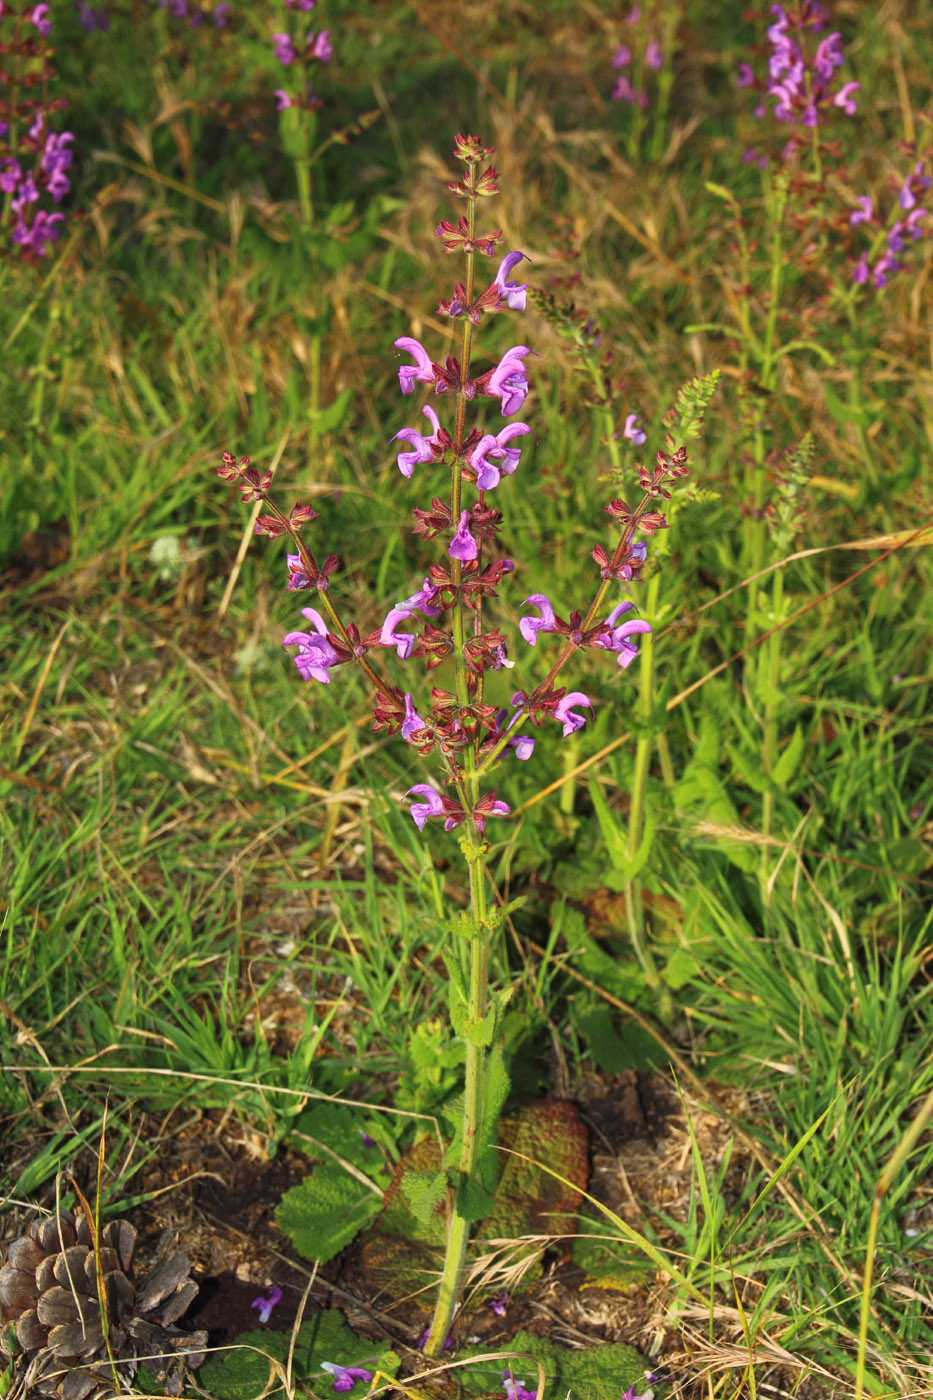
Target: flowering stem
x=474, y=1092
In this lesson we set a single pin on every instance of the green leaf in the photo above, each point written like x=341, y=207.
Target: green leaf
x=426, y=1191
x=789, y=761
x=329, y=419
x=323, y=1213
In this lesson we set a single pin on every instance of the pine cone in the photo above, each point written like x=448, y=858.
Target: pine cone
x=49, y=1292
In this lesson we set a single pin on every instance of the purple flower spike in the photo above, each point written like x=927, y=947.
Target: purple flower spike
x=463, y=546
x=265, y=1305
x=432, y=806
x=346, y=1377
x=508, y=381
x=531, y=626
x=512, y=293
x=515, y=1390
x=424, y=449
x=421, y=370
x=315, y=654
x=568, y=717
x=488, y=473
x=412, y=721
x=632, y=431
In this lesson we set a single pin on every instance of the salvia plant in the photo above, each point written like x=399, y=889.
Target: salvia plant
x=34, y=156
x=446, y=630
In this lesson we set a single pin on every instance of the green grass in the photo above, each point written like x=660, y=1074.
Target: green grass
x=176, y=808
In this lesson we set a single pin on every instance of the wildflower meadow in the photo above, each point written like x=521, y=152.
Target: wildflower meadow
x=466, y=815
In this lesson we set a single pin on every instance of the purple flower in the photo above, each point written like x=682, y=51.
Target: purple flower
x=43, y=231
x=221, y=14
x=368, y=1142
x=632, y=430
x=508, y=381
x=424, y=449
x=265, y=1305
x=422, y=602
x=829, y=56
x=568, y=717
x=531, y=626
x=423, y=1340
x=513, y=293
x=320, y=47
x=623, y=90
x=488, y=474
x=39, y=17
x=884, y=270
x=745, y=76
x=91, y=19
x=432, y=806
x=412, y=721
x=463, y=546
x=865, y=213
x=845, y=99
x=860, y=272
x=56, y=159
x=10, y=176
x=616, y=639
x=654, y=55
x=515, y=1390
x=912, y=222
x=498, y=1303
x=283, y=99
x=622, y=56
x=421, y=370
x=284, y=48
x=896, y=243
x=315, y=654
x=346, y=1377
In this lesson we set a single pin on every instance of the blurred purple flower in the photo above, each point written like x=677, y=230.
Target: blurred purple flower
x=284, y=48
x=40, y=18
x=865, y=212
x=632, y=431
x=320, y=47
x=654, y=55
x=622, y=56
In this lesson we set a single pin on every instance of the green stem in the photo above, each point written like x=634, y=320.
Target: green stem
x=474, y=1098
x=771, y=725
x=636, y=821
